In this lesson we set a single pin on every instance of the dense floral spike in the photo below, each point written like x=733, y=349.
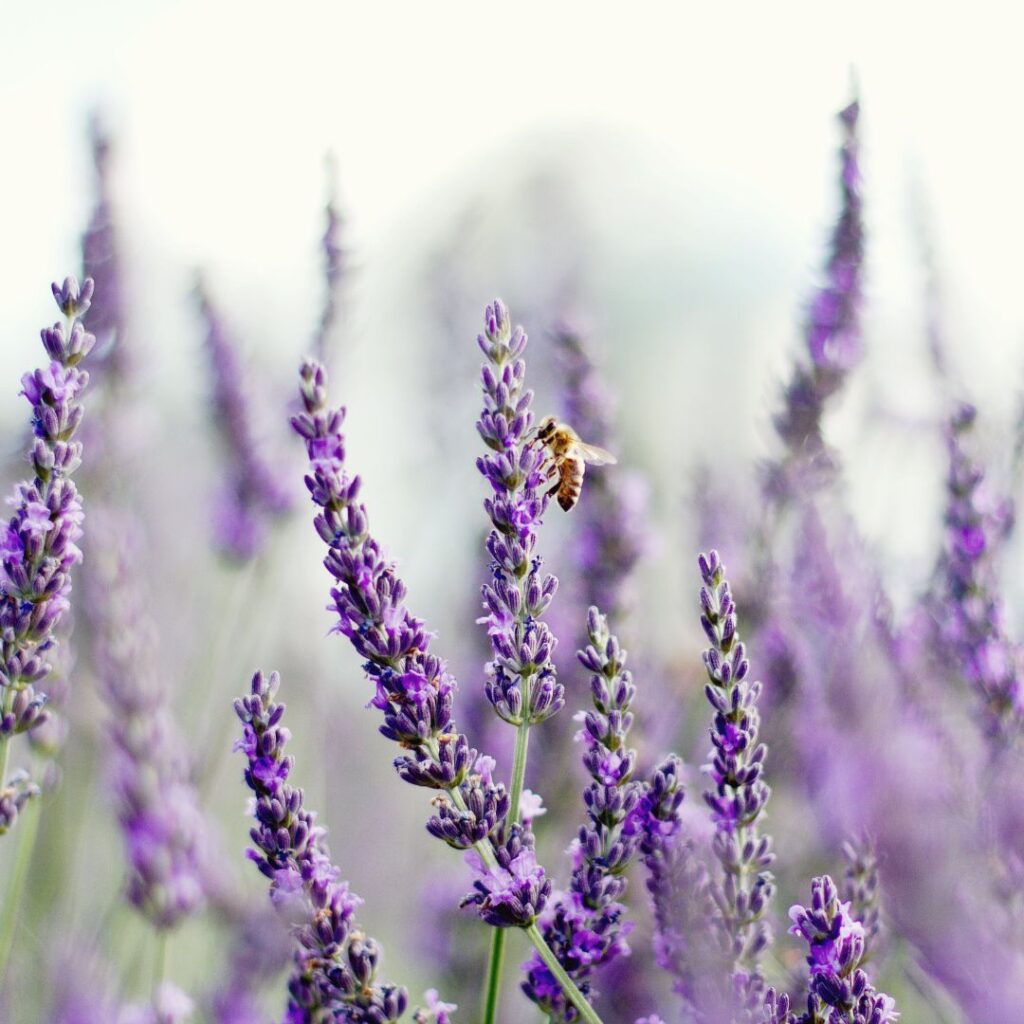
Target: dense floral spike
x=39, y=545
x=414, y=690
x=521, y=682
x=335, y=964
x=611, y=534
x=840, y=991
x=252, y=493
x=970, y=613
x=101, y=261
x=334, y=265
x=861, y=891
x=832, y=333
x=585, y=927
x=149, y=768
x=738, y=795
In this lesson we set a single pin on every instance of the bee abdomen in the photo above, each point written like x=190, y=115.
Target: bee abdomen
x=572, y=484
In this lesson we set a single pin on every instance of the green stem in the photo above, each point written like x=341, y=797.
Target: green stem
x=29, y=828
x=575, y=996
x=519, y=760
x=495, y=962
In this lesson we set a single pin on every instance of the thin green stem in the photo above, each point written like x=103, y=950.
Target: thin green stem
x=26, y=842
x=575, y=996
x=519, y=759
x=492, y=984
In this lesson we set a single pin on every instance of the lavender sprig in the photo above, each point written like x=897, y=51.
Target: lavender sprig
x=586, y=926
x=39, y=545
x=832, y=334
x=840, y=991
x=738, y=796
x=861, y=891
x=971, y=614
x=335, y=964
x=521, y=681
x=149, y=768
x=252, y=493
x=414, y=690
x=334, y=266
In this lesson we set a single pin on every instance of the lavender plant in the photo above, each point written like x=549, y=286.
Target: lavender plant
x=334, y=269
x=39, y=544
x=252, y=493
x=333, y=975
x=586, y=926
x=414, y=690
x=832, y=336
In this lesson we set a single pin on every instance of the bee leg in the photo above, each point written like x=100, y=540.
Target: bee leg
x=554, y=490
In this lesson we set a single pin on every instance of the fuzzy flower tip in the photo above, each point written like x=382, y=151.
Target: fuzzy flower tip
x=738, y=793
x=840, y=990
x=39, y=544
x=413, y=688
x=521, y=681
x=334, y=963
x=586, y=926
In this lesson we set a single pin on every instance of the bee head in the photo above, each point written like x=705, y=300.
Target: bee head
x=546, y=428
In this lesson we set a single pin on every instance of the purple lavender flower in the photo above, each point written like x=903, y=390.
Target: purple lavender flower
x=839, y=990
x=832, y=335
x=335, y=964
x=970, y=614
x=252, y=494
x=586, y=926
x=861, y=891
x=436, y=1010
x=737, y=800
x=101, y=261
x=149, y=769
x=334, y=265
x=414, y=689
x=521, y=681
x=39, y=545
x=170, y=1005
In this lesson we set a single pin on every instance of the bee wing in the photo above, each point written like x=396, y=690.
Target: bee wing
x=595, y=456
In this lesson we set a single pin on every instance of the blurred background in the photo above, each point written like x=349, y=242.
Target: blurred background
x=666, y=177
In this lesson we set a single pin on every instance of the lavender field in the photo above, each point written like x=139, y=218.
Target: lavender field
x=643, y=646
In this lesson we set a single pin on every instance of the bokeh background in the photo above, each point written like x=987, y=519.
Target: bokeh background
x=665, y=174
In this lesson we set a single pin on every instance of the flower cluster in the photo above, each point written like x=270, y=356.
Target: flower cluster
x=252, y=493
x=832, y=333
x=39, y=544
x=413, y=688
x=335, y=964
x=585, y=927
x=521, y=681
x=840, y=992
x=149, y=768
x=738, y=795
x=971, y=614
x=861, y=891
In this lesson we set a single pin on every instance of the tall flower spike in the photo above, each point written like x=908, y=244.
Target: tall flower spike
x=39, y=545
x=334, y=265
x=839, y=990
x=586, y=926
x=149, y=768
x=521, y=681
x=252, y=493
x=832, y=334
x=861, y=891
x=738, y=796
x=970, y=613
x=335, y=964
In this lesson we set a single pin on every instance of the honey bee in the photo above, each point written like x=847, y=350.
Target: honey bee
x=567, y=458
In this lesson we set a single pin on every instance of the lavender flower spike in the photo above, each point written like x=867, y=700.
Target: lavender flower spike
x=335, y=964
x=252, y=492
x=521, y=682
x=585, y=927
x=832, y=333
x=839, y=990
x=149, y=768
x=738, y=796
x=39, y=546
